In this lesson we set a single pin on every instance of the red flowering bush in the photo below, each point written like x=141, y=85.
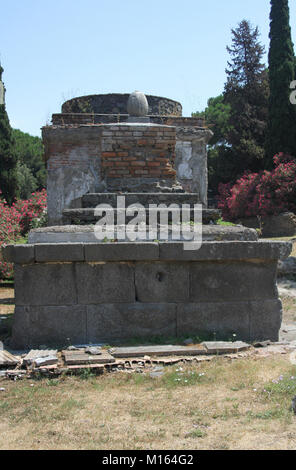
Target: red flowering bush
x=261, y=194
x=16, y=221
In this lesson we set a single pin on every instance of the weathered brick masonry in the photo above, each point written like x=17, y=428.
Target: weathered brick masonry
x=135, y=151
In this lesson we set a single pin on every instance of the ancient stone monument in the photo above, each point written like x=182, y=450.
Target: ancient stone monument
x=72, y=288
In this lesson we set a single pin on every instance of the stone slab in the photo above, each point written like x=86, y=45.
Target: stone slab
x=34, y=354
x=59, y=252
x=93, y=199
x=19, y=253
x=8, y=359
x=45, y=361
x=85, y=234
x=227, y=250
x=161, y=350
x=81, y=357
x=224, y=347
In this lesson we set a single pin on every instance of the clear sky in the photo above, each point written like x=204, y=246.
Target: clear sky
x=54, y=50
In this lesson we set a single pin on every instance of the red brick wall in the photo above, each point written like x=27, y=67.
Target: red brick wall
x=138, y=151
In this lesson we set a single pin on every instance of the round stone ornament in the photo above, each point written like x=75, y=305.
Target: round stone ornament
x=137, y=104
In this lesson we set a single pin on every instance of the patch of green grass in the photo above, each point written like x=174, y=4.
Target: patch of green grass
x=281, y=388
x=195, y=433
x=224, y=222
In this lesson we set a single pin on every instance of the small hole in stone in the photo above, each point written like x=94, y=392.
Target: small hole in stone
x=159, y=276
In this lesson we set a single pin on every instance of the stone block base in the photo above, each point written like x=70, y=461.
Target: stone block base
x=110, y=292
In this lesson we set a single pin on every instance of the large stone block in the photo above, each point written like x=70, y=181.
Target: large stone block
x=45, y=284
x=265, y=320
x=21, y=254
x=162, y=282
x=122, y=251
x=214, y=320
x=227, y=250
x=59, y=252
x=113, y=322
x=232, y=280
x=105, y=282
x=50, y=326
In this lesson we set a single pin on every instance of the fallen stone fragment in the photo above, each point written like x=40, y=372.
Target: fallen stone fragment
x=2, y=389
x=156, y=372
x=188, y=341
x=36, y=354
x=81, y=357
x=7, y=359
x=93, y=350
x=45, y=361
x=262, y=344
x=162, y=350
x=225, y=347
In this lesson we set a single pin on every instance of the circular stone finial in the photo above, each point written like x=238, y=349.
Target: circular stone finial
x=137, y=104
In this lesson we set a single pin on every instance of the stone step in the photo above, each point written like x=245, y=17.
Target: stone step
x=86, y=234
x=86, y=215
x=93, y=199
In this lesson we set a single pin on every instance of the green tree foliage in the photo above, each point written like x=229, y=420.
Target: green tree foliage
x=246, y=91
x=26, y=181
x=281, y=133
x=216, y=117
x=8, y=159
x=29, y=151
x=238, y=117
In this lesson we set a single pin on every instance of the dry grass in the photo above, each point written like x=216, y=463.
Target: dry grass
x=289, y=309
x=6, y=300
x=223, y=408
x=218, y=405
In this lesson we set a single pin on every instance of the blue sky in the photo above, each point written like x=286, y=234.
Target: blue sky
x=53, y=51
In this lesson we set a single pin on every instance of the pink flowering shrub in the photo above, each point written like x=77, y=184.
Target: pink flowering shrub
x=261, y=194
x=16, y=221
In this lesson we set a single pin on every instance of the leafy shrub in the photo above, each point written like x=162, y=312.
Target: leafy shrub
x=17, y=220
x=261, y=194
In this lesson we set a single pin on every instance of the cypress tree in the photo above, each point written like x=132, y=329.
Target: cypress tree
x=8, y=159
x=246, y=91
x=281, y=129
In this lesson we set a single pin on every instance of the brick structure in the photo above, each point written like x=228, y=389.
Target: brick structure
x=130, y=151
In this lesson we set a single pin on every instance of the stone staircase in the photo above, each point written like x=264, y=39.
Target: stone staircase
x=85, y=213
